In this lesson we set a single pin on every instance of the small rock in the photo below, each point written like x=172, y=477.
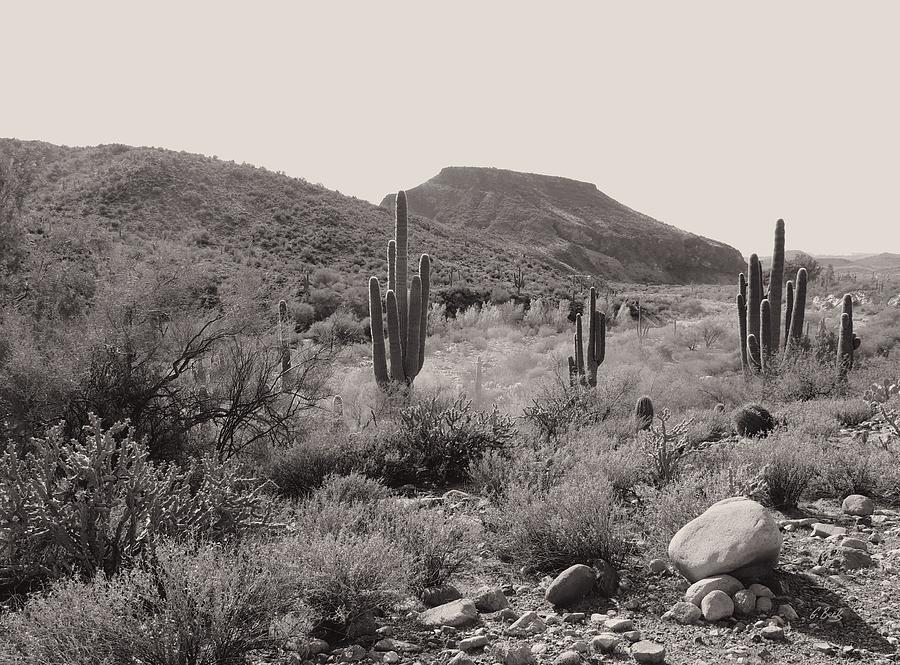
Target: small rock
x=580, y=646
x=649, y=652
x=658, y=566
x=822, y=530
x=821, y=571
x=508, y=614
x=457, y=613
x=687, y=613
x=761, y=591
x=698, y=590
x=390, y=644
x=788, y=612
x=391, y=657
x=857, y=504
x=434, y=596
x=763, y=605
x=472, y=643
x=571, y=585
x=514, y=654
x=568, y=658
x=847, y=558
x=824, y=647
x=744, y=602
x=632, y=635
x=528, y=623
x=619, y=625
x=854, y=543
x=573, y=617
x=717, y=605
x=772, y=633
x=461, y=659
x=488, y=599
x=605, y=642
x=539, y=648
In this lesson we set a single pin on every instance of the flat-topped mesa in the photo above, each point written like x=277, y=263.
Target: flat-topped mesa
x=406, y=309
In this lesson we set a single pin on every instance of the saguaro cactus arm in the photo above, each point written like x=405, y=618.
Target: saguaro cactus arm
x=379, y=360
x=396, y=352
x=765, y=340
x=425, y=277
x=414, y=320
x=742, y=329
x=798, y=313
x=755, y=295
x=776, y=281
x=402, y=240
x=788, y=312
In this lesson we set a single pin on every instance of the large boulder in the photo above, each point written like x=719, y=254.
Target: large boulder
x=732, y=536
x=457, y=613
x=857, y=504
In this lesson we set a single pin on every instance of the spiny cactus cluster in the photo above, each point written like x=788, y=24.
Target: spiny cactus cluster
x=586, y=374
x=643, y=413
x=759, y=315
x=406, y=308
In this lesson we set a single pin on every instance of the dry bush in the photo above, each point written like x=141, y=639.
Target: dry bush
x=185, y=606
x=576, y=521
x=297, y=471
x=850, y=412
x=787, y=474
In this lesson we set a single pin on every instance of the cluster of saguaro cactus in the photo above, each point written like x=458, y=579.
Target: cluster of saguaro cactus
x=586, y=373
x=406, y=308
x=759, y=315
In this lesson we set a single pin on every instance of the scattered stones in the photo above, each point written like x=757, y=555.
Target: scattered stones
x=732, y=534
x=857, y=504
x=472, y=643
x=699, y=589
x=571, y=585
x=648, y=652
x=822, y=530
x=687, y=613
x=488, y=599
x=456, y=613
x=605, y=642
x=744, y=602
x=390, y=644
x=717, y=605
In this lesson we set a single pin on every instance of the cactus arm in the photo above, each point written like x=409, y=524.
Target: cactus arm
x=402, y=238
x=411, y=359
x=776, y=281
x=600, y=353
x=377, y=325
x=392, y=266
x=579, y=347
x=797, y=313
x=425, y=276
x=753, y=351
x=396, y=353
x=788, y=312
x=765, y=340
x=755, y=294
x=742, y=330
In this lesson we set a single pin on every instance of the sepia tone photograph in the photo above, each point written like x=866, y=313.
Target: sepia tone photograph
x=450, y=333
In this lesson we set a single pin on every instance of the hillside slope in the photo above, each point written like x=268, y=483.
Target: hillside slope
x=571, y=222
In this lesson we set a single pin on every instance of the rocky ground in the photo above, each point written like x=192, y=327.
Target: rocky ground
x=834, y=596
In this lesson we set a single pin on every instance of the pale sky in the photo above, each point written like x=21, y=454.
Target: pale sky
x=717, y=117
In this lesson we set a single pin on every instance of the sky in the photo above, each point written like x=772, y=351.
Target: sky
x=717, y=117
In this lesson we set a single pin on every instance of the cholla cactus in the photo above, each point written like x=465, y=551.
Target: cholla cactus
x=666, y=447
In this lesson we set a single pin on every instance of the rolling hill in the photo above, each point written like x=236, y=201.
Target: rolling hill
x=572, y=223
x=88, y=211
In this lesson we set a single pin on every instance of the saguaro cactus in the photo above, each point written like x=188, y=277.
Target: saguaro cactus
x=798, y=312
x=776, y=278
x=742, y=325
x=406, y=309
x=848, y=342
x=283, y=344
x=596, y=345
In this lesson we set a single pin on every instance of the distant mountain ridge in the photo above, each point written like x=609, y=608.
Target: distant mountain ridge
x=572, y=222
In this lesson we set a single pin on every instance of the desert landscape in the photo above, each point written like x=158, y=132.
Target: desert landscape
x=462, y=414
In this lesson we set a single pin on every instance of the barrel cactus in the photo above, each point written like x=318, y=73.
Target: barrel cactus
x=753, y=420
x=643, y=413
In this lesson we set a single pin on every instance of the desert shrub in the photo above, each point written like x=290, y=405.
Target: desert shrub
x=858, y=470
x=576, y=521
x=345, y=578
x=668, y=508
x=850, y=412
x=711, y=425
x=437, y=546
x=183, y=606
x=352, y=488
x=73, y=507
x=339, y=329
x=296, y=471
x=786, y=475
x=752, y=420
x=437, y=441
x=803, y=378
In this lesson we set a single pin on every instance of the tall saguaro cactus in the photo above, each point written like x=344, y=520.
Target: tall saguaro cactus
x=765, y=339
x=406, y=309
x=596, y=344
x=788, y=312
x=798, y=312
x=742, y=326
x=776, y=278
x=284, y=347
x=754, y=274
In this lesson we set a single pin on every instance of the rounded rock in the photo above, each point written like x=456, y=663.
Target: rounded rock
x=699, y=589
x=648, y=652
x=744, y=602
x=858, y=504
x=571, y=585
x=717, y=605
